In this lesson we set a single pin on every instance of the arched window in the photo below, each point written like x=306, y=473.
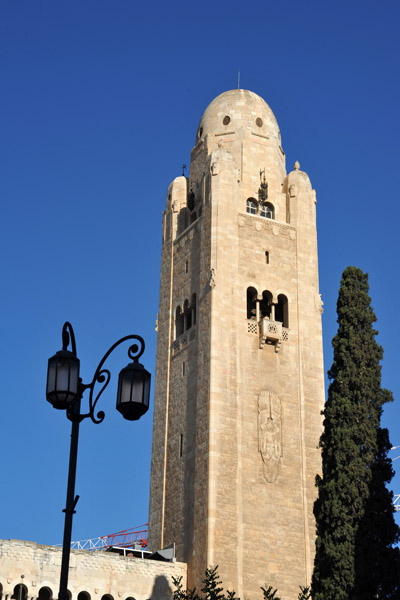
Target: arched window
x=83, y=596
x=45, y=593
x=251, y=206
x=282, y=310
x=268, y=211
x=1, y=591
x=193, y=307
x=107, y=597
x=20, y=592
x=251, y=302
x=187, y=314
x=265, y=304
x=184, y=219
x=178, y=322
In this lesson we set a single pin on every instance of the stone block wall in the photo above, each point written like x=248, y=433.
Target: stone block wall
x=98, y=573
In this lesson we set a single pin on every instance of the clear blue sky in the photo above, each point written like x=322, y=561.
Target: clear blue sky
x=100, y=102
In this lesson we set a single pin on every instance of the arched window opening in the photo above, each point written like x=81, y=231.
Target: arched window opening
x=107, y=597
x=193, y=307
x=1, y=591
x=178, y=322
x=282, y=310
x=251, y=303
x=251, y=206
x=265, y=304
x=187, y=314
x=45, y=593
x=184, y=219
x=83, y=596
x=20, y=592
x=268, y=211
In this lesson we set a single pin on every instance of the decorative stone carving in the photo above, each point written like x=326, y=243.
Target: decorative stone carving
x=270, y=434
x=211, y=282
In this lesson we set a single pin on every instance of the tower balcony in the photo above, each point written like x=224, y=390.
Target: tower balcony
x=270, y=332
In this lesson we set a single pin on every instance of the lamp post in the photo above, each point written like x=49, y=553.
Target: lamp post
x=65, y=390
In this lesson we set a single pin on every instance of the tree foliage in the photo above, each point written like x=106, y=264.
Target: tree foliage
x=305, y=593
x=212, y=589
x=354, y=513
x=269, y=593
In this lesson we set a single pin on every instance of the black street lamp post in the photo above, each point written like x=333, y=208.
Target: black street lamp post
x=65, y=390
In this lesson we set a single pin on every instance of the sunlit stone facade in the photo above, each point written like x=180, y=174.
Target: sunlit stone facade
x=239, y=379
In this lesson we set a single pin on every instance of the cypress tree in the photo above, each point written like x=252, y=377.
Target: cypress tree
x=354, y=512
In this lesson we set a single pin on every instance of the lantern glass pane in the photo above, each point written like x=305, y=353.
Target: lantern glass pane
x=74, y=377
x=62, y=383
x=125, y=388
x=146, y=393
x=51, y=376
x=137, y=389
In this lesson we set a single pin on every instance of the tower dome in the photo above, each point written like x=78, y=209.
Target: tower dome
x=238, y=109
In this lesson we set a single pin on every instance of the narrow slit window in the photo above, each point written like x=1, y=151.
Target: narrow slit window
x=181, y=445
x=183, y=369
x=267, y=257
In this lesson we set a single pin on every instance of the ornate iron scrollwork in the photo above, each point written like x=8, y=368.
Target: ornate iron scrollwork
x=101, y=376
x=263, y=189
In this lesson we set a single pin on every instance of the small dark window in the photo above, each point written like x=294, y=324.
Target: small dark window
x=45, y=593
x=259, y=122
x=265, y=304
x=193, y=307
x=268, y=211
x=83, y=596
x=282, y=310
x=181, y=445
x=186, y=266
x=20, y=592
x=183, y=369
x=187, y=313
x=179, y=322
x=267, y=257
x=251, y=303
x=251, y=206
x=226, y=120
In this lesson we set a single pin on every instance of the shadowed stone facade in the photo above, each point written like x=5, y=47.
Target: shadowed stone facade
x=239, y=376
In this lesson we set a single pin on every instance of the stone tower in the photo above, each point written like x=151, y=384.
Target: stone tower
x=239, y=380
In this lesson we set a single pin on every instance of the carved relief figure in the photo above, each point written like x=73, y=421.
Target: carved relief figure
x=270, y=434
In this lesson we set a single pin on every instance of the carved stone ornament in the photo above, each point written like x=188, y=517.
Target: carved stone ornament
x=270, y=434
x=211, y=281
